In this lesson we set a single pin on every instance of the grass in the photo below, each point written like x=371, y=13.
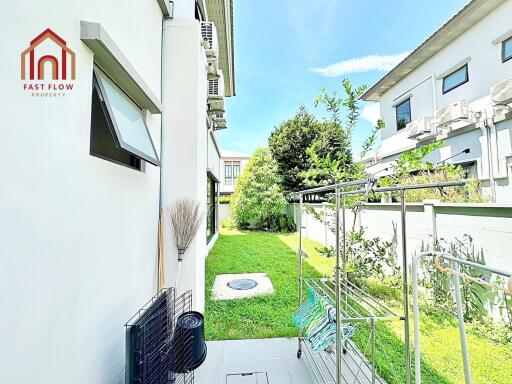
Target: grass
x=270, y=316
x=257, y=317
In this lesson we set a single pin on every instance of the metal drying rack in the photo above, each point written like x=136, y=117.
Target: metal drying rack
x=346, y=363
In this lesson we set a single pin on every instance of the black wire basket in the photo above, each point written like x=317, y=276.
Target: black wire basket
x=165, y=341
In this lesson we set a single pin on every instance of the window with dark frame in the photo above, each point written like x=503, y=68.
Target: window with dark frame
x=211, y=207
x=506, y=50
x=227, y=174
x=236, y=171
x=118, y=130
x=103, y=144
x=455, y=79
x=403, y=114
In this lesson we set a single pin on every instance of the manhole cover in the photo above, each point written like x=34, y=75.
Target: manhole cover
x=242, y=284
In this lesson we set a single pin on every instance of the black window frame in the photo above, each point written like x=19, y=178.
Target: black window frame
x=408, y=100
x=503, y=43
x=466, y=67
x=103, y=132
x=98, y=84
x=228, y=180
x=212, y=188
x=236, y=165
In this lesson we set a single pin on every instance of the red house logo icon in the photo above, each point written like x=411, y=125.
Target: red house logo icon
x=62, y=61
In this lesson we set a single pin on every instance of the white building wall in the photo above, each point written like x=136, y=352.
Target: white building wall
x=213, y=154
x=230, y=188
x=485, y=70
x=490, y=225
x=78, y=233
x=185, y=140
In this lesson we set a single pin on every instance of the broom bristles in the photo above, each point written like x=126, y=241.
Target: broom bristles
x=186, y=217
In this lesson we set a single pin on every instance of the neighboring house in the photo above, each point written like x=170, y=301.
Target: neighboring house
x=114, y=116
x=456, y=86
x=232, y=165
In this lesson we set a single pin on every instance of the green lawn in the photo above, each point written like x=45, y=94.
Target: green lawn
x=270, y=316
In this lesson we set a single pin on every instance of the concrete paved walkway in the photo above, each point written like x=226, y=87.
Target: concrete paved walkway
x=253, y=361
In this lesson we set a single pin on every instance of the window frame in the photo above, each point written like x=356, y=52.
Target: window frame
x=212, y=201
x=408, y=100
x=135, y=163
x=228, y=180
x=233, y=165
x=98, y=83
x=466, y=67
x=503, y=43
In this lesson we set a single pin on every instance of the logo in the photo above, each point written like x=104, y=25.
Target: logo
x=48, y=64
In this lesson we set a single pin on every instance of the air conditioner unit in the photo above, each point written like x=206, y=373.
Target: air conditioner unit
x=209, y=33
x=212, y=68
x=219, y=121
x=419, y=127
x=216, y=86
x=216, y=106
x=452, y=113
x=501, y=93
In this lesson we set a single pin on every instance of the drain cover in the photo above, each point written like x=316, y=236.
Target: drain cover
x=247, y=378
x=242, y=284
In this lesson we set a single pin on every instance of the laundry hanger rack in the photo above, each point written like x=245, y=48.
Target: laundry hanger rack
x=345, y=362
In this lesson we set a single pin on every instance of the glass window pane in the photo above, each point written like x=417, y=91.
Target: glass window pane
x=227, y=173
x=403, y=114
x=103, y=144
x=236, y=170
x=453, y=80
x=130, y=126
x=507, y=49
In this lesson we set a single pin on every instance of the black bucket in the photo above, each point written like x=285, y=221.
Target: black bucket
x=188, y=347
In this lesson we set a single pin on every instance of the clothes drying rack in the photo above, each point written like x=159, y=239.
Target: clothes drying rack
x=346, y=363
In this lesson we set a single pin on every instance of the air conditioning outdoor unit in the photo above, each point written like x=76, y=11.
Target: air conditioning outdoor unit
x=213, y=68
x=216, y=106
x=419, y=127
x=219, y=121
x=216, y=86
x=501, y=93
x=452, y=113
x=209, y=33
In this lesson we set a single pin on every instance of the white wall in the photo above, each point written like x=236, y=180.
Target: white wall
x=185, y=141
x=490, y=225
x=78, y=234
x=229, y=188
x=485, y=70
x=213, y=154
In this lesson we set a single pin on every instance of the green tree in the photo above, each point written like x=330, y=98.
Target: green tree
x=258, y=198
x=343, y=114
x=288, y=143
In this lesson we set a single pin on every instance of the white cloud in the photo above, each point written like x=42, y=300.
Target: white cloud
x=361, y=64
x=371, y=112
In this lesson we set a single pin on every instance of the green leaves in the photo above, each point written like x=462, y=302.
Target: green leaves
x=258, y=198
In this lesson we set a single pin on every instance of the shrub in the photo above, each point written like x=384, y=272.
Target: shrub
x=282, y=223
x=228, y=224
x=258, y=199
x=225, y=199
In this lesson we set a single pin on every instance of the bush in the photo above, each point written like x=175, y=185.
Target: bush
x=228, y=224
x=258, y=199
x=225, y=199
x=281, y=223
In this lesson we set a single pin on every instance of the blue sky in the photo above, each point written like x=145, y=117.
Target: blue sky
x=279, y=42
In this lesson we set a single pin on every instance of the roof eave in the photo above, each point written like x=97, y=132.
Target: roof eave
x=453, y=28
x=221, y=13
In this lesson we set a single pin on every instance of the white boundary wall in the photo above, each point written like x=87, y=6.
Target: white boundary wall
x=490, y=225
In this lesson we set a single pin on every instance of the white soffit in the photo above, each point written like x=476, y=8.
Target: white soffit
x=221, y=13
